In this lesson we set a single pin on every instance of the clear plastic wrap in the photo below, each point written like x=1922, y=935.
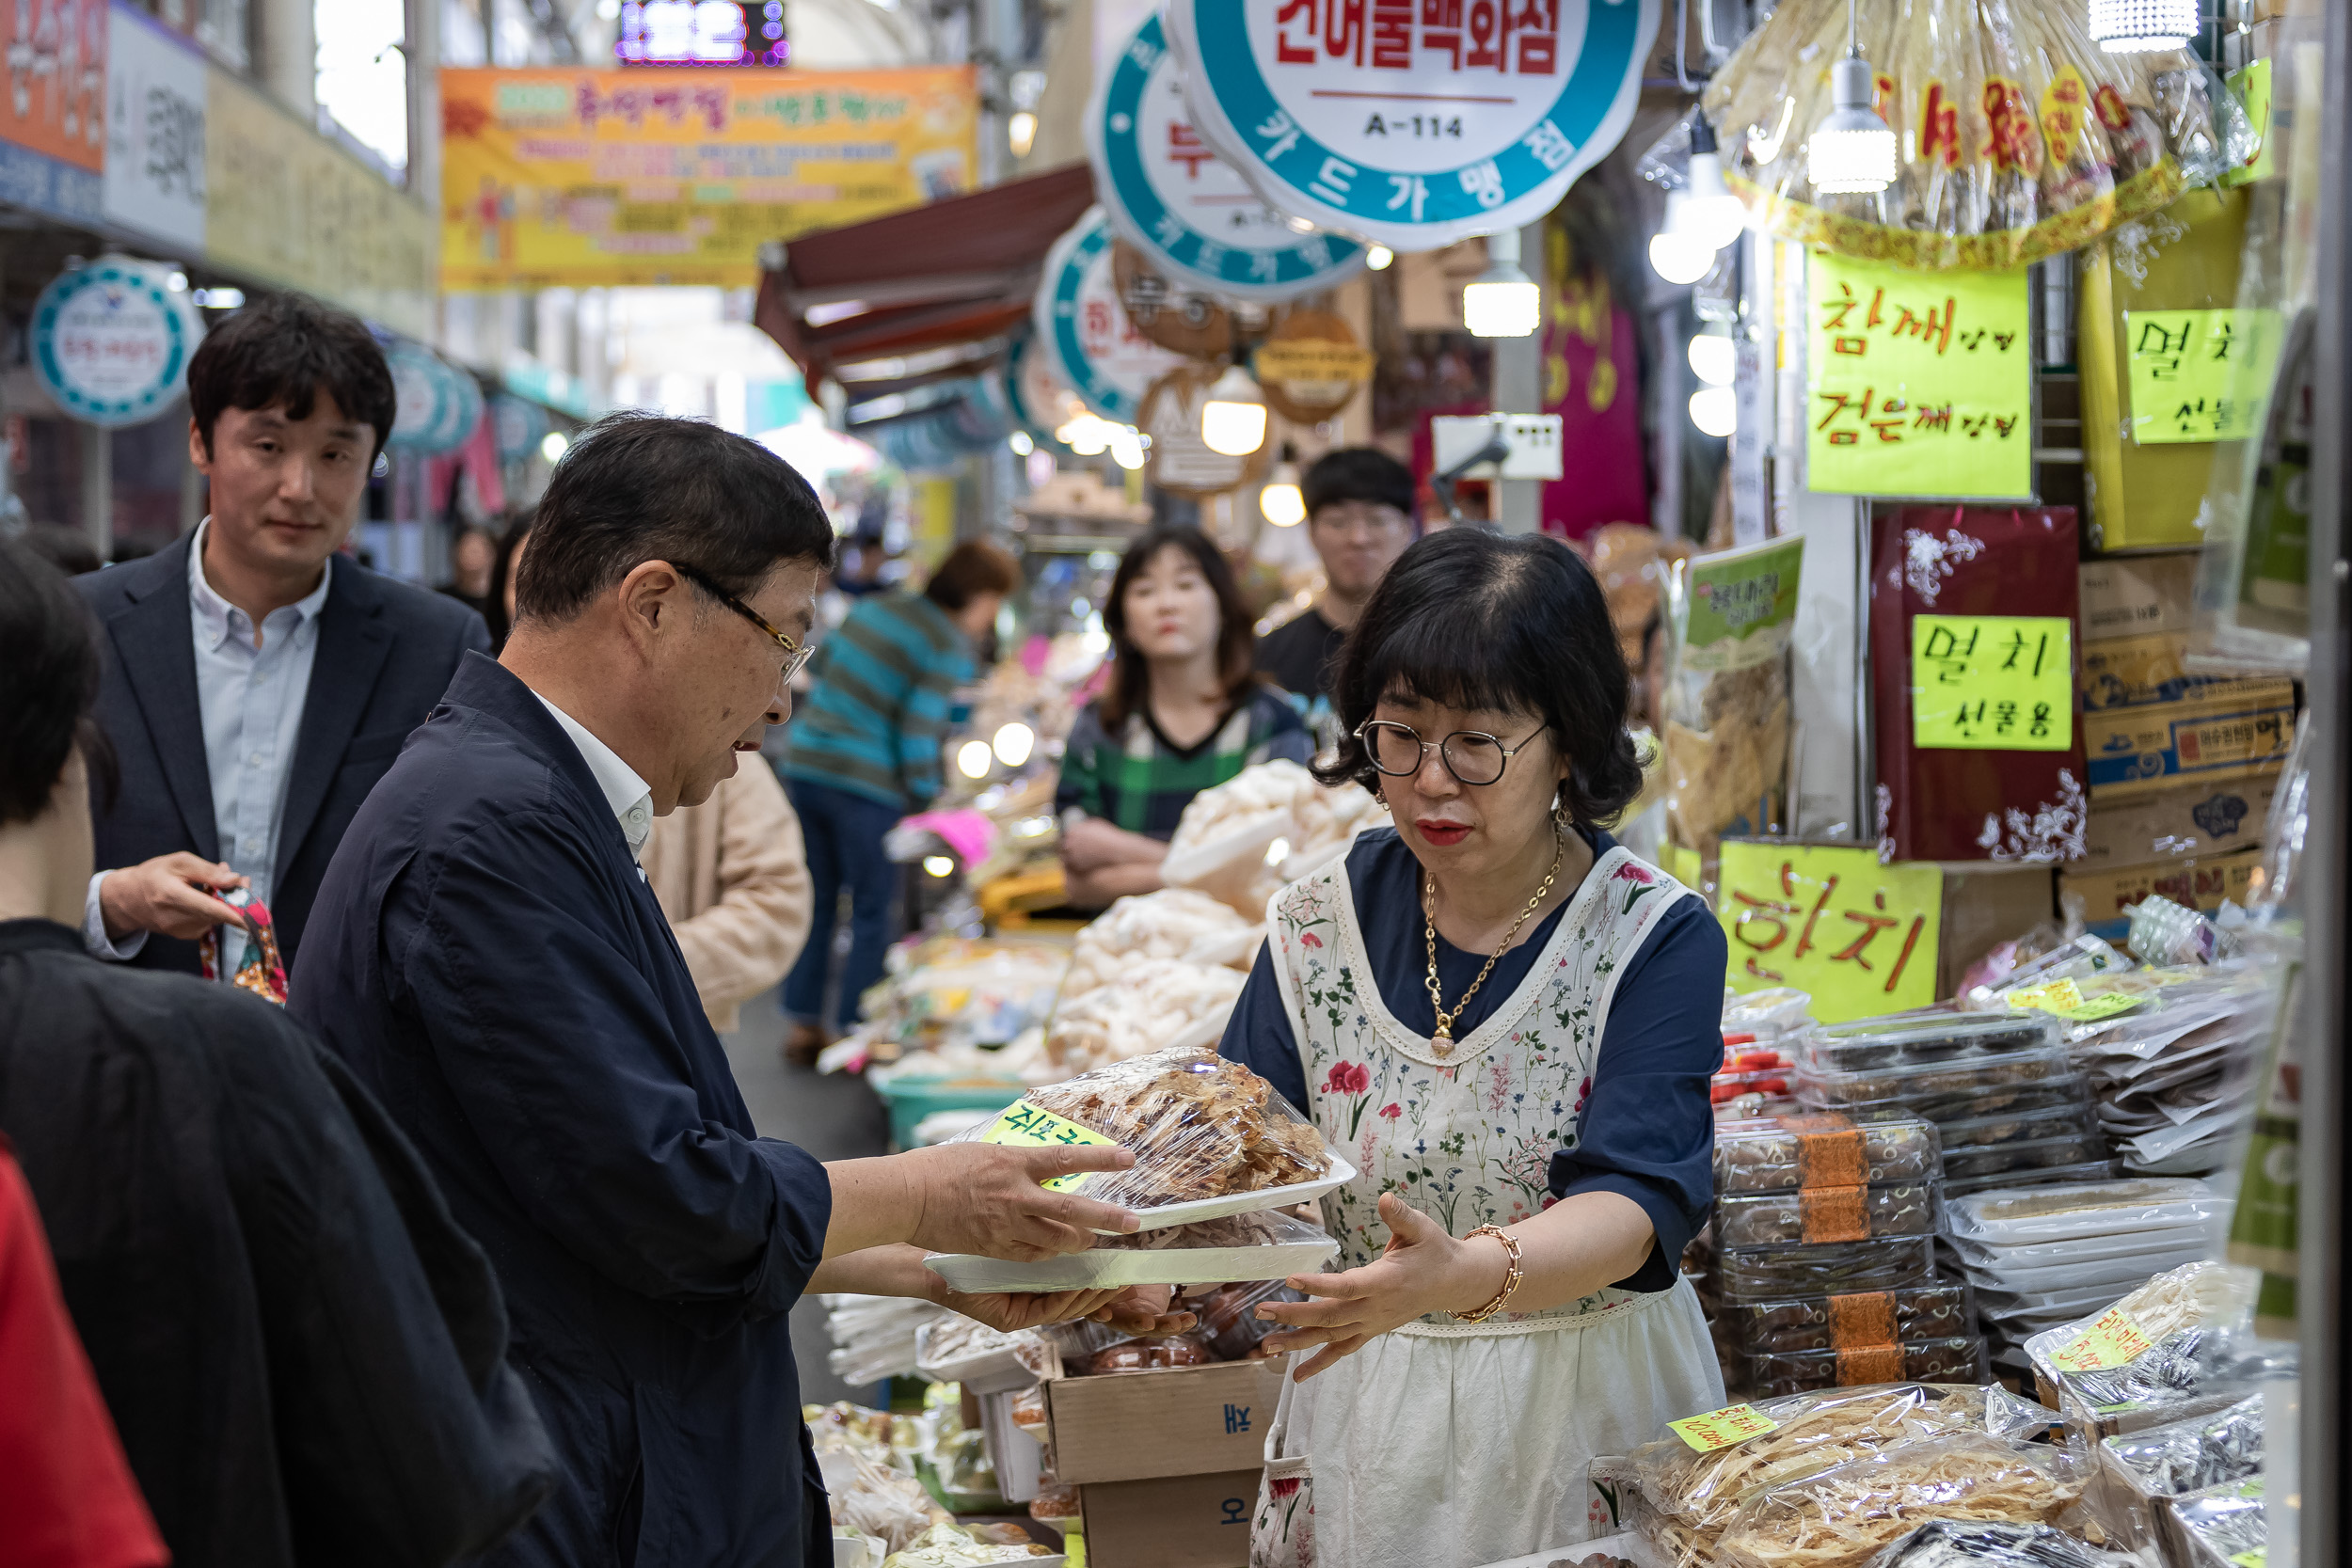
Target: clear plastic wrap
x=1148, y=1006
x=2061, y=1214
x=1942, y=1092
x=2082, y=959
x=876, y=1336
x=1207, y=1134
x=1174, y=922
x=887, y=1504
x=1930, y=1039
x=1840, y=1517
x=1229, y=1315
x=958, y=1350
x=2094, y=1170
x=1783, y=1153
x=2193, y=1455
x=1826, y=1214
x=1775, y=1273
x=1976, y=1544
x=2222, y=1527
x=2077, y=1146
x=2166, y=1343
x=952, y=1546
x=1163, y=1354
x=1262, y=1245
x=1934, y=1311
x=1953, y=1358
x=1269, y=824
x=2071, y=1118
x=2153, y=1252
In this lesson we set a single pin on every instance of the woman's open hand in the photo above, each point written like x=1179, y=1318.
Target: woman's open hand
x=1424, y=1270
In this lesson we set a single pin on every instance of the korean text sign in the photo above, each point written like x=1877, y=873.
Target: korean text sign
x=1027, y=1126
x=589, y=178
x=1918, y=384
x=1992, y=682
x=2199, y=375
x=1861, y=938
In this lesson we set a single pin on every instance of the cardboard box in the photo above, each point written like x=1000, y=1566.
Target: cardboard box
x=2212, y=820
x=2136, y=595
x=1172, y=1521
x=2202, y=883
x=2139, y=672
x=2135, y=753
x=1187, y=1422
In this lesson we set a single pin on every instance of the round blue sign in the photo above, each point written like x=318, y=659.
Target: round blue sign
x=1412, y=123
x=111, y=341
x=1181, y=204
x=1090, y=345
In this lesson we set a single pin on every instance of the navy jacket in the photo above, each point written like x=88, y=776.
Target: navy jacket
x=488, y=959
x=386, y=653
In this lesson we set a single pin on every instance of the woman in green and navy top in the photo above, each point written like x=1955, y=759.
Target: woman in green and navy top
x=865, y=753
x=1184, y=711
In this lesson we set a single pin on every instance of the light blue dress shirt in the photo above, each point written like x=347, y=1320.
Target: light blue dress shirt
x=252, y=699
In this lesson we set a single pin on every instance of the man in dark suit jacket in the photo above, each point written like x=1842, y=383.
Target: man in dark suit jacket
x=259, y=684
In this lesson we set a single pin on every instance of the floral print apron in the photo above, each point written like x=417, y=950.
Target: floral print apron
x=1446, y=1444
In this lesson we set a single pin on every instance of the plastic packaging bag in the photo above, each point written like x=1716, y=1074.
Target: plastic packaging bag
x=1783, y=1153
x=875, y=1337
x=1269, y=824
x=2193, y=1455
x=1826, y=1214
x=1202, y=1130
x=1229, y=1315
x=2164, y=1343
x=1936, y=1311
x=1177, y=922
x=1149, y=1005
x=1972, y=1543
x=2061, y=1214
x=887, y=1504
x=952, y=1546
x=1771, y=1273
x=1956, y=1359
x=2217, y=1527
x=1840, y=1517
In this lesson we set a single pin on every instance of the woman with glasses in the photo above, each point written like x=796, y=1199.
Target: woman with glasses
x=1506, y=1023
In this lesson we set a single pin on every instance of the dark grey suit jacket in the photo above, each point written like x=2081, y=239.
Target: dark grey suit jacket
x=386, y=653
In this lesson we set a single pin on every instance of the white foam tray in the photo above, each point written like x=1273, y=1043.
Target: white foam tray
x=1163, y=1215
x=1120, y=1268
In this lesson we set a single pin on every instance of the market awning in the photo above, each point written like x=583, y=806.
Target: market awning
x=957, y=271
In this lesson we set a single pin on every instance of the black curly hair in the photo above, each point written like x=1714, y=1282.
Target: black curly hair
x=1470, y=619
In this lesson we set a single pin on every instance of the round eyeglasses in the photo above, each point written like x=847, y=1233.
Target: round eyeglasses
x=1473, y=756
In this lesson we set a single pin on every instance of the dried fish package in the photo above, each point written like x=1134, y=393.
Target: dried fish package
x=2192, y=1455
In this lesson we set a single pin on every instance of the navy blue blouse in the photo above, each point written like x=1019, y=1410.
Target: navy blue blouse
x=1649, y=1129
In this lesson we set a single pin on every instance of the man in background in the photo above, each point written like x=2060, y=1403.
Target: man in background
x=1359, y=518
x=256, y=686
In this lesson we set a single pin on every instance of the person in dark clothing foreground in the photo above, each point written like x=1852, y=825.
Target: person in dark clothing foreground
x=305, y=1356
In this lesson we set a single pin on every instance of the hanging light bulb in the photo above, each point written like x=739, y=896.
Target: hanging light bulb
x=1710, y=213
x=973, y=759
x=1281, y=502
x=1676, y=253
x=1126, y=446
x=1852, y=151
x=1233, y=421
x=1714, y=358
x=1014, y=743
x=1715, y=410
x=2140, y=27
x=1502, y=301
x=1378, y=257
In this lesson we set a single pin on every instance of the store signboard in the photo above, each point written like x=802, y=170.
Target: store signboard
x=589, y=179
x=1859, y=937
x=1916, y=384
x=1090, y=345
x=1413, y=125
x=437, y=404
x=111, y=341
x=155, y=98
x=2199, y=375
x=1180, y=203
x=53, y=110
x=284, y=205
x=1992, y=682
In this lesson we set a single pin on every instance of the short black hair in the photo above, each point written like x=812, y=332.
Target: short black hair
x=639, y=488
x=1471, y=619
x=284, y=349
x=1237, y=637
x=1356, y=474
x=48, y=684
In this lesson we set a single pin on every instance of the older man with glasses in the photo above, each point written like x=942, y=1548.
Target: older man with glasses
x=488, y=956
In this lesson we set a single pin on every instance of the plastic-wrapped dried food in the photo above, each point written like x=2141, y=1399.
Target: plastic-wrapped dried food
x=1840, y=1517
x=1780, y=1153
x=2032, y=1176
x=1058, y=1501
x=2171, y=1340
x=961, y=1547
x=1150, y=1356
x=1838, y=1268
x=1146, y=1005
x=1173, y=923
x=1201, y=1128
x=1826, y=1214
x=1263, y=1246
x=2192, y=1455
x=2218, y=1526
x=1915, y=1039
x=2023, y=1125
x=1936, y=1311
x=1954, y=1359
x=2048, y=1151
x=1949, y=1090
x=1229, y=1315
x=2058, y=1213
x=1974, y=1543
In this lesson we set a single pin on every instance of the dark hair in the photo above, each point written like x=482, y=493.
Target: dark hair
x=48, y=684
x=972, y=568
x=285, y=348
x=68, y=549
x=494, y=608
x=1356, y=474
x=639, y=487
x=1470, y=619
x=1236, y=644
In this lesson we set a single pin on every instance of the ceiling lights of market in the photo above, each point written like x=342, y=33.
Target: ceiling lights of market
x=1233, y=421
x=1280, y=501
x=1502, y=301
x=2140, y=27
x=1714, y=358
x=1715, y=410
x=1852, y=151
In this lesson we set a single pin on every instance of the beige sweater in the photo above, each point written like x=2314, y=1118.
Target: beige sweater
x=733, y=878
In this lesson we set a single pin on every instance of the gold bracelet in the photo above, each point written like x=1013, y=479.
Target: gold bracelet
x=1511, y=1278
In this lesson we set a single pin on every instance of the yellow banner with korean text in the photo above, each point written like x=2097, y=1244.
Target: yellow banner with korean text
x=1916, y=384
x=1992, y=682
x=1859, y=937
x=598, y=178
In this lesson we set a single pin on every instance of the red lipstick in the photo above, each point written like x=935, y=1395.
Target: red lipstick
x=1443, y=834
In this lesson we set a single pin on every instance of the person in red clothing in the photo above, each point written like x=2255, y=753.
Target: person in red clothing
x=67, y=1499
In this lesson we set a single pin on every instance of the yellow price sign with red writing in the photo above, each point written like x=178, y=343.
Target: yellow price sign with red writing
x=2115, y=1340
x=1859, y=937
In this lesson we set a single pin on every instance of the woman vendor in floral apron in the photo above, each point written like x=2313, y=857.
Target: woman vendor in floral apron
x=1507, y=1021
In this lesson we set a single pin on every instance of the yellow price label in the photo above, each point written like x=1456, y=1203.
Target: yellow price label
x=1721, y=1429
x=2113, y=1341
x=2257, y=1558
x=1028, y=1126
x=1992, y=682
x=2095, y=1009
x=2199, y=375
x=2057, y=996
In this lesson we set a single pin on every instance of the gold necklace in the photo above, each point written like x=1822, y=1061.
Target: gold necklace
x=1441, y=1039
